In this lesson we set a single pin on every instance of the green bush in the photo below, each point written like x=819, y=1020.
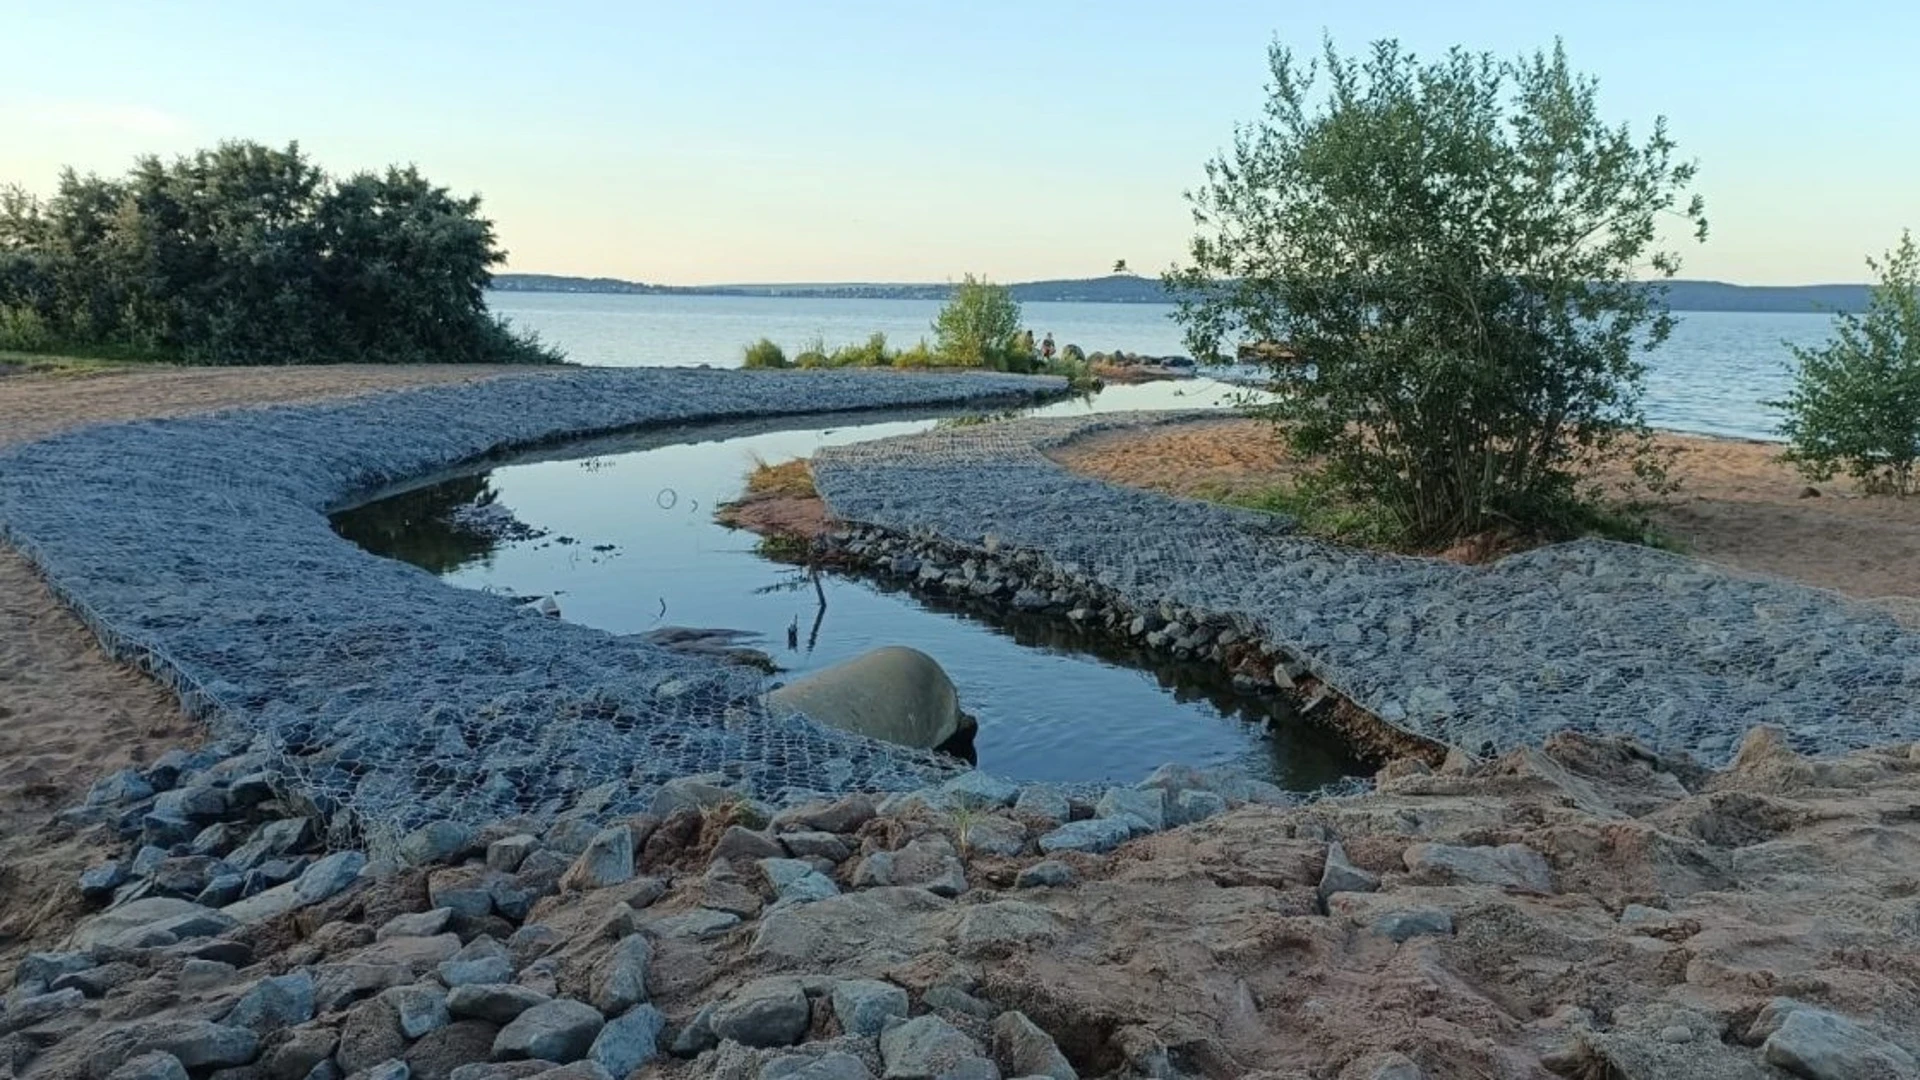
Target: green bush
x=1459, y=247
x=23, y=330
x=980, y=327
x=1855, y=403
x=814, y=354
x=873, y=353
x=765, y=354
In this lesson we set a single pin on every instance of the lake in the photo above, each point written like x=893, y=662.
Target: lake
x=1709, y=378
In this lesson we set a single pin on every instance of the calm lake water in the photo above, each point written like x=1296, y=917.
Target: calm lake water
x=1710, y=377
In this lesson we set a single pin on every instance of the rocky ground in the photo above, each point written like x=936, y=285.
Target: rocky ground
x=1584, y=910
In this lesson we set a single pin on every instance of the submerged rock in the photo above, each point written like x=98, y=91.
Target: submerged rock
x=896, y=694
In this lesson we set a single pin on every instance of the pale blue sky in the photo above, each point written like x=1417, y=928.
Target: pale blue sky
x=777, y=140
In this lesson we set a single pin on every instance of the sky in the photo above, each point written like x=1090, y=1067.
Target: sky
x=784, y=141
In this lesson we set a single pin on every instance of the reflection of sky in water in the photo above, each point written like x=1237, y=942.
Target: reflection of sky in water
x=1045, y=712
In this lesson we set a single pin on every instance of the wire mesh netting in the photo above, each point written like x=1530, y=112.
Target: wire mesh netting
x=1592, y=635
x=199, y=549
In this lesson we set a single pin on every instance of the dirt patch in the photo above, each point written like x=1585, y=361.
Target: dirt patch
x=1738, y=505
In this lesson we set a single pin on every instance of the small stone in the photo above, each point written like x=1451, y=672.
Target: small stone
x=841, y=816
x=200, y=804
x=1093, y=836
x=497, y=1003
x=1147, y=805
x=418, y=924
x=607, y=861
x=1342, y=876
x=696, y=925
x=279, y=1002
x=284, y=837
x=629, y=1040
x=421, y=1008
x=1509, y=865
x=1676, y=1033
x=1049, y=874
x=825, y=1067
x=745, y=845
x=535, y=940
x=436, y=842
x=1020, y=1048
x=196, y=1043
x=1189, y=807
x=994, y=835
x=765, y=1012
x=329, y=877
x=197, y=975
x=977, y=790
x=44, y=968
x=119, y=789
x=864, y=1006
x=816, y=845
x=697, y=1036
x=1822, y=1045
x=561, y=1031
x=949, y=998
x=467, y=890
x=620, y=979
x=221, y=890
x=507, y=853
x=924, y=1048
x=390, y=1069
x=97, y=882
x=26, y=1010
x=482, y=960
x=1412, y=923
x=156, y=1065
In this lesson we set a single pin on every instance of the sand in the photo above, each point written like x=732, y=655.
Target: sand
x=1737, y=505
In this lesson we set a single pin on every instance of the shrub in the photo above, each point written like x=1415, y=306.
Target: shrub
x=23, y=330
x=1855, y=402
x=873, y=353
x=978, y=327
x=813, y=354
x=920, y=356
x=765, y=354
x=1455, y=247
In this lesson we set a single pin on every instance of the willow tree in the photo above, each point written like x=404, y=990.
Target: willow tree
x=1456, y=252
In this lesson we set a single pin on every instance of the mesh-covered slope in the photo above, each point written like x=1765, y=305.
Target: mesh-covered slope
x=199, y=548
x=1593, y=636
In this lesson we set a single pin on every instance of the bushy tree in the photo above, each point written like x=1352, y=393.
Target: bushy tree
x=1452, y=248
x=250, y=254
x=978, y=327
x=1855, y=403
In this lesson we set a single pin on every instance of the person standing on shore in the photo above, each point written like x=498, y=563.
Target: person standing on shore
x=1046, y=347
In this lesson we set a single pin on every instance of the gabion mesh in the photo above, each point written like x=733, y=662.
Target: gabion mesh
x=1593, y=636
x=199, y=549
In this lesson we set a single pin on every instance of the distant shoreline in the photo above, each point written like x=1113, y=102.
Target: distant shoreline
x=1130, y=289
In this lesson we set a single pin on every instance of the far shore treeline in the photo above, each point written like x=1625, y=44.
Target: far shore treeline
x=247, y=254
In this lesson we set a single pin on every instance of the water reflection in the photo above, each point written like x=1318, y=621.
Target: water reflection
x=421, y=527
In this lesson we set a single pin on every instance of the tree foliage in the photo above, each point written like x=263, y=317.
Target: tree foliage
x=979, y=327
x=1452, y=249
x=1855, y=402
x=249, y=254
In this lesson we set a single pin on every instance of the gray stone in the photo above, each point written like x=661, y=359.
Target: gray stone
x=895, y=694
x=864, y=1006
x=420, y=1008
x=924, y=1048
x=607, y=861
x=200, y=804
x=1093, y=836
x=213, y=840
x=765, y=1012
x=154, y=920
x=482, y=960
x=279, y=1002
x=97, y=882
x=808, y=889
x=1189, y=807
x=579, y=1070
x=689, y=793
x=507, y=853
x=437, y=842
x=1004, y=922
x=501, y=1070
x=197, y=975
x=1147, y=805
x=1051, y=873
x=390, y=1069
x=45, y=967
x=284, y=837
x=697, y=1036
x=119, y=789
x=252, y=789
x=1342, y=876
x=1041, y=801
x=1821, y=1045
x=816, y=845
x=535, y=940
x=497, y=1003
x=620, y=978
x=26, y=1010
x=1411, y=923
x=834, y=1066
x=740, y=844
x=196, y=1043
x=221, y=890
x=1020, y=1048
x=417, y=924
x=370, y=1035
x=840, y=816
x=467, y=890
x=154, y=1065
x=994, y=835
x=977, y=790
x=1508, y=866
x=696, y=925
x=929, y=863
x=560, y=1031
x=571, y=835
x=629, y=1040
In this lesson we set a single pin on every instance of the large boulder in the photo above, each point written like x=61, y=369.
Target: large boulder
x=894, y=693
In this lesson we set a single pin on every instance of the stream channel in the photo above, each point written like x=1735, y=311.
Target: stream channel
x=620, y=532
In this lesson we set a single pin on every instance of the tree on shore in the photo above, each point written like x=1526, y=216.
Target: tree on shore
x=1452, y=248
x=1855, y=402
x=250, y=254
x=980, y=327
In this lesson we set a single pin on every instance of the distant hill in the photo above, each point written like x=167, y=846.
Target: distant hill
x=1129, y=289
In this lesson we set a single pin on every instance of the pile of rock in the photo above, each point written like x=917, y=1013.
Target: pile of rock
x=1123, y=359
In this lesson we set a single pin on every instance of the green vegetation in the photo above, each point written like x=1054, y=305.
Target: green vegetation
x=789, y=479
x=248, y=254
x=1454, y=247
x=765, y=354
x=1855, y=403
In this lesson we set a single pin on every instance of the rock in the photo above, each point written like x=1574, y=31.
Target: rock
x=296, y=1053
x=1020, y=1048
x=156, y=1065
x=994, y=835
x=507, y=853
x=825, y=1067
x=1145, y=805
x=497, y=1003
x=418, y=924
x=739, y=844
x=1046, y=803
x=150, y=921
x=697, y=1036
x=370, y=1036
x=27, y=1010
x=579, y=1070
x=607, y=861
x=45, y=967
x=864, y=1006
x=948, y=998
x=97, y=882
x=482, y=960
x=1342, y=876
x=324, y=880
x=467, y=890
x=197, y=975
x=1049, y=874
x=119, y=789
x=284, y=837
x=841, y=816
x=561, y=1031
x=391, y=1069
x=765, y=1012
x=924, y=1048
x=620, y=979
x=1004, y=922
x=977, y=790
x=440, y=1052
x=504, y=1070
x=696, y=925
x=1189, y=807
x=896, y=694
x=1509, y=866
x=535, y=940
x=1387, y=1066
x=929, y=863
x=1093, y=836
x=1405, y=923
x=629, y=1040
x=196, y=1043
x=200, y=804
x=221, y=890
x=816, y=845
x=1821, y=1045
x=880, y=926
x=436, y=842
x=420, y=1008
x=338, y=985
